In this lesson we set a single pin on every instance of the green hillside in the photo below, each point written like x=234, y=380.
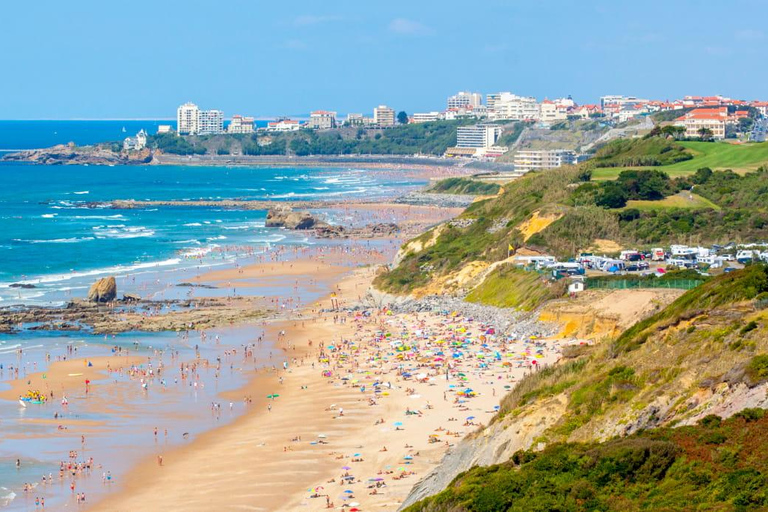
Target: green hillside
x=638, y=210
x=464, y=186
x=715, y=155
x=431, y=138
x=714, y=466
x=612, y=446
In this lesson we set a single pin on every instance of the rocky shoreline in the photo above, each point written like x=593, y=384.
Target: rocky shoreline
x=69, y=154
x=132, y=314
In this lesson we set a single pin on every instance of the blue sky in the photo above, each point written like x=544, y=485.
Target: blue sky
x=141, y=58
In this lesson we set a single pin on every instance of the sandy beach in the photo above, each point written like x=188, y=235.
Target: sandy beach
x=350, y=426
x=350, y=408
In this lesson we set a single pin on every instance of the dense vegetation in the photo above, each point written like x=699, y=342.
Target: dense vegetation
x=716, y=156
x=715, y=465
x=588, y=214
x=648, y=151
x=491, y=225
x=734, y=287
x=171, y=143
x=464, y=186
x=709, y=207
x=425, y=138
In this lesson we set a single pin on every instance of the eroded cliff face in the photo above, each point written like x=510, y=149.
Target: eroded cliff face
x=491, y=445
x=670, y=369
x=497, y=443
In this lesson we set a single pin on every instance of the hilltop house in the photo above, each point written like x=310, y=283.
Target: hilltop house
x=136, y=143
x=713, y=119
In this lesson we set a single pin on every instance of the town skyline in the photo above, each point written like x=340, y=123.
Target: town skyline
x=272, y=60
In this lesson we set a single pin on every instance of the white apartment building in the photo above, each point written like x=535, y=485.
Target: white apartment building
x=465, y=99
x=210, y=122
x=164, y=128
x=190, y=120
x=513, y=107
x=186, y=119
x=478, y=136
x=283, y=125
x=240, y=124
x=322, y=120
x=426, y=117
x=528, y=160
x=383, y=116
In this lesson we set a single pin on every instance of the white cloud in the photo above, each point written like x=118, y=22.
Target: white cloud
x=750, y=35
x=311, y=19
x=409, y=27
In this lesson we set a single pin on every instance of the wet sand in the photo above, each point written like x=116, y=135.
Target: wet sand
x=271, y=460
x=67, y=377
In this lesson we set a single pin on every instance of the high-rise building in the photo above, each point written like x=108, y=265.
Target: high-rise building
x=190, y=120
x=240, y=124
x=210, y=122
x=514, y=108
x=384, y=116
x=322, y=120
x=465, y=99
x=478, y=136
x=186, y=119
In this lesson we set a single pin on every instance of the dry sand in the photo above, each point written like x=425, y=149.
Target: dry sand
x=254, y=462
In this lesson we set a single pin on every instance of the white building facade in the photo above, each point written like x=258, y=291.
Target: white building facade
x=186, y=119
x=464, y=100
x=210, y=122
x=513, y=107
x=528, y=160
x=240, y=124
x=190, y=120
x=322, y=120
x=384, y=116
x=478, y=136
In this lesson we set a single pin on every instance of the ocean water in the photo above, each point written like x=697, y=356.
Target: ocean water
x=53, y=239
x=56, y=243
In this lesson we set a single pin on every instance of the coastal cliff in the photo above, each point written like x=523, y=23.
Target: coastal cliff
x=701, y=355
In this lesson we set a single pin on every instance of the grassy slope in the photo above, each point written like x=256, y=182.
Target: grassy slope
x=510, y=287
x=493, y=228
x=715, y=155
x=712, y=337
x=714, y=466
x=464, y=186
x=725, y=209
x=681, y=200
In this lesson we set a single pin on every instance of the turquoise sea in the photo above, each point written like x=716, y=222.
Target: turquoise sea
x=54, y=243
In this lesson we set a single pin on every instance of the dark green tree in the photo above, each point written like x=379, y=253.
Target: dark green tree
x=402, y=117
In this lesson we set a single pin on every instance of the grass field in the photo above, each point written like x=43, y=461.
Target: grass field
x=681, y=200
x=715, y=155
